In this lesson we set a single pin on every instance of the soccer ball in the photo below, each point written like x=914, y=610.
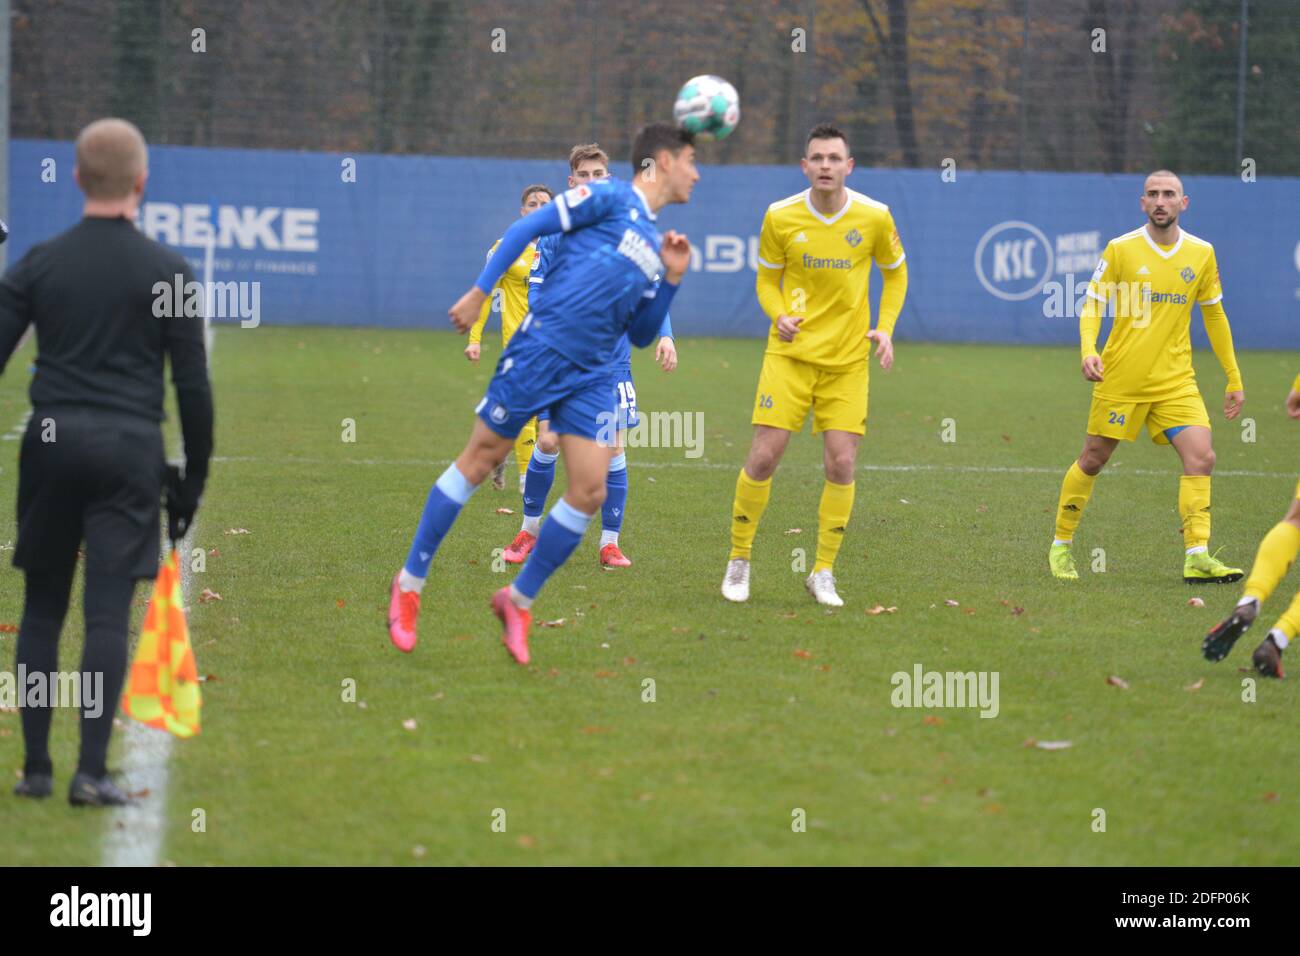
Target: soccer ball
x=707, y=106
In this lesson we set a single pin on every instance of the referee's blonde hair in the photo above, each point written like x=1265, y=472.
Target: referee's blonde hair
x=111, y=155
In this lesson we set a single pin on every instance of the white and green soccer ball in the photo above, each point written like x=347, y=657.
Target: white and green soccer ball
x=708, y=107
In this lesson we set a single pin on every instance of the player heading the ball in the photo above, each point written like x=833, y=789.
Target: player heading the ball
x=613, y=274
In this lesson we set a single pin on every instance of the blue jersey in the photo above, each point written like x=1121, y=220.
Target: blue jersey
x=547, y=248
x=597, y=274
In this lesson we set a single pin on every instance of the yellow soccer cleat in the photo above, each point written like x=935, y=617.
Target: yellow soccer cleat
x=1205, y=568
x=1061, y=561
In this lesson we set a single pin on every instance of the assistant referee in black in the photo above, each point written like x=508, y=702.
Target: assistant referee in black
x=92, y=467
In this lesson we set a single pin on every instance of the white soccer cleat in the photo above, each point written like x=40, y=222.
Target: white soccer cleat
x=821, y=585
x=735, y=586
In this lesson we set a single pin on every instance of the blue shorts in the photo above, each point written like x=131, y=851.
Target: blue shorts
x=625, y=398
x=536, y=380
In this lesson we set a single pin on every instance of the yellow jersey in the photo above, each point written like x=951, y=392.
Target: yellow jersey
x=512, y=288
x=825, y=264
x=1148, y=355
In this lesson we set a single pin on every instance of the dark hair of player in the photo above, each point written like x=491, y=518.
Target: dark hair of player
x=535, y=188
x=653, y=138
x=827, y=131
x=585, y=151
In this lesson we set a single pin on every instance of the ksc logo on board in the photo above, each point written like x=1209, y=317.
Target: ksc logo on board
x=1013, y=260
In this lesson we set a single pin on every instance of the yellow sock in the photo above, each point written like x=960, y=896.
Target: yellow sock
x=751, y=500
x=1272, y=561
x=1289, y=623
x=1076, y=489
x=832, y=519
x=524, y=443
x=1194, y=506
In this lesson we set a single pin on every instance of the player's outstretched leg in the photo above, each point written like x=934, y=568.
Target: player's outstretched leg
x=447, y=496
x=586, y=463
x=612, y=513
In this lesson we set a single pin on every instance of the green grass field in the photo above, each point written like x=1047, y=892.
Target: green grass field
x=760, y=709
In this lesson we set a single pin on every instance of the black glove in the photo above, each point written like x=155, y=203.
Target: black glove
x=182, y=501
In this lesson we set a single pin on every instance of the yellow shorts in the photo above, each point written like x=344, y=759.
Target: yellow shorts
x=1111, y=418
x=788, y=388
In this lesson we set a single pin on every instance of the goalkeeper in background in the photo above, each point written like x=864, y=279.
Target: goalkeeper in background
x=1145, y=375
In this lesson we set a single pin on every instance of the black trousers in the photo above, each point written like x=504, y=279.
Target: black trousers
x=92, y=476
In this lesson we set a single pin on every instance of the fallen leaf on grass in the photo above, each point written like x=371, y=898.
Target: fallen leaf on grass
x=629, y=661
x=477, y=758
x=1017, y=611
x=930, y=720
x=951, y=603
x=1195, y=602
x=214, y=553
x=209, y=595
x=824, y=668
x=237, y=531
x=8, y=628
x=1197, y=686
x=505, y=511
x=1270, y=797
x=418, y=852
x=558, y=622
x=601, y=675
x=795, y=531
x=1049, y=744
x=881, y=609
x=968, y=610
x=981, y=509
x=1006, y=437
x=680, y=630
x=803, y=655
x=993, y=808
x=339, y=602
x=1119, y=682
x=788, y=615
x=595, y=730
x=208, y=679
x=408, y=723
x=527, y=842
x=904, y=501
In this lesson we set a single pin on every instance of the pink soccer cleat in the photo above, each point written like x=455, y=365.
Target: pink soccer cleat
x=612, y=557
x=515, y=621
x=403, y=609
x=520, y=548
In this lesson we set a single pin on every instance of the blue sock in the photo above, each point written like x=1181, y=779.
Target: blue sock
x=611, y=513
x=537, y=482
x=560, y=534
x=448, y=493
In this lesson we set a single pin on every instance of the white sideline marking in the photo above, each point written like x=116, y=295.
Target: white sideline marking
x=733, y=466
x=135, y=834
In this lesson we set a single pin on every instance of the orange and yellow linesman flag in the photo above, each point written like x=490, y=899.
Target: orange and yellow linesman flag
x=162, y=689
